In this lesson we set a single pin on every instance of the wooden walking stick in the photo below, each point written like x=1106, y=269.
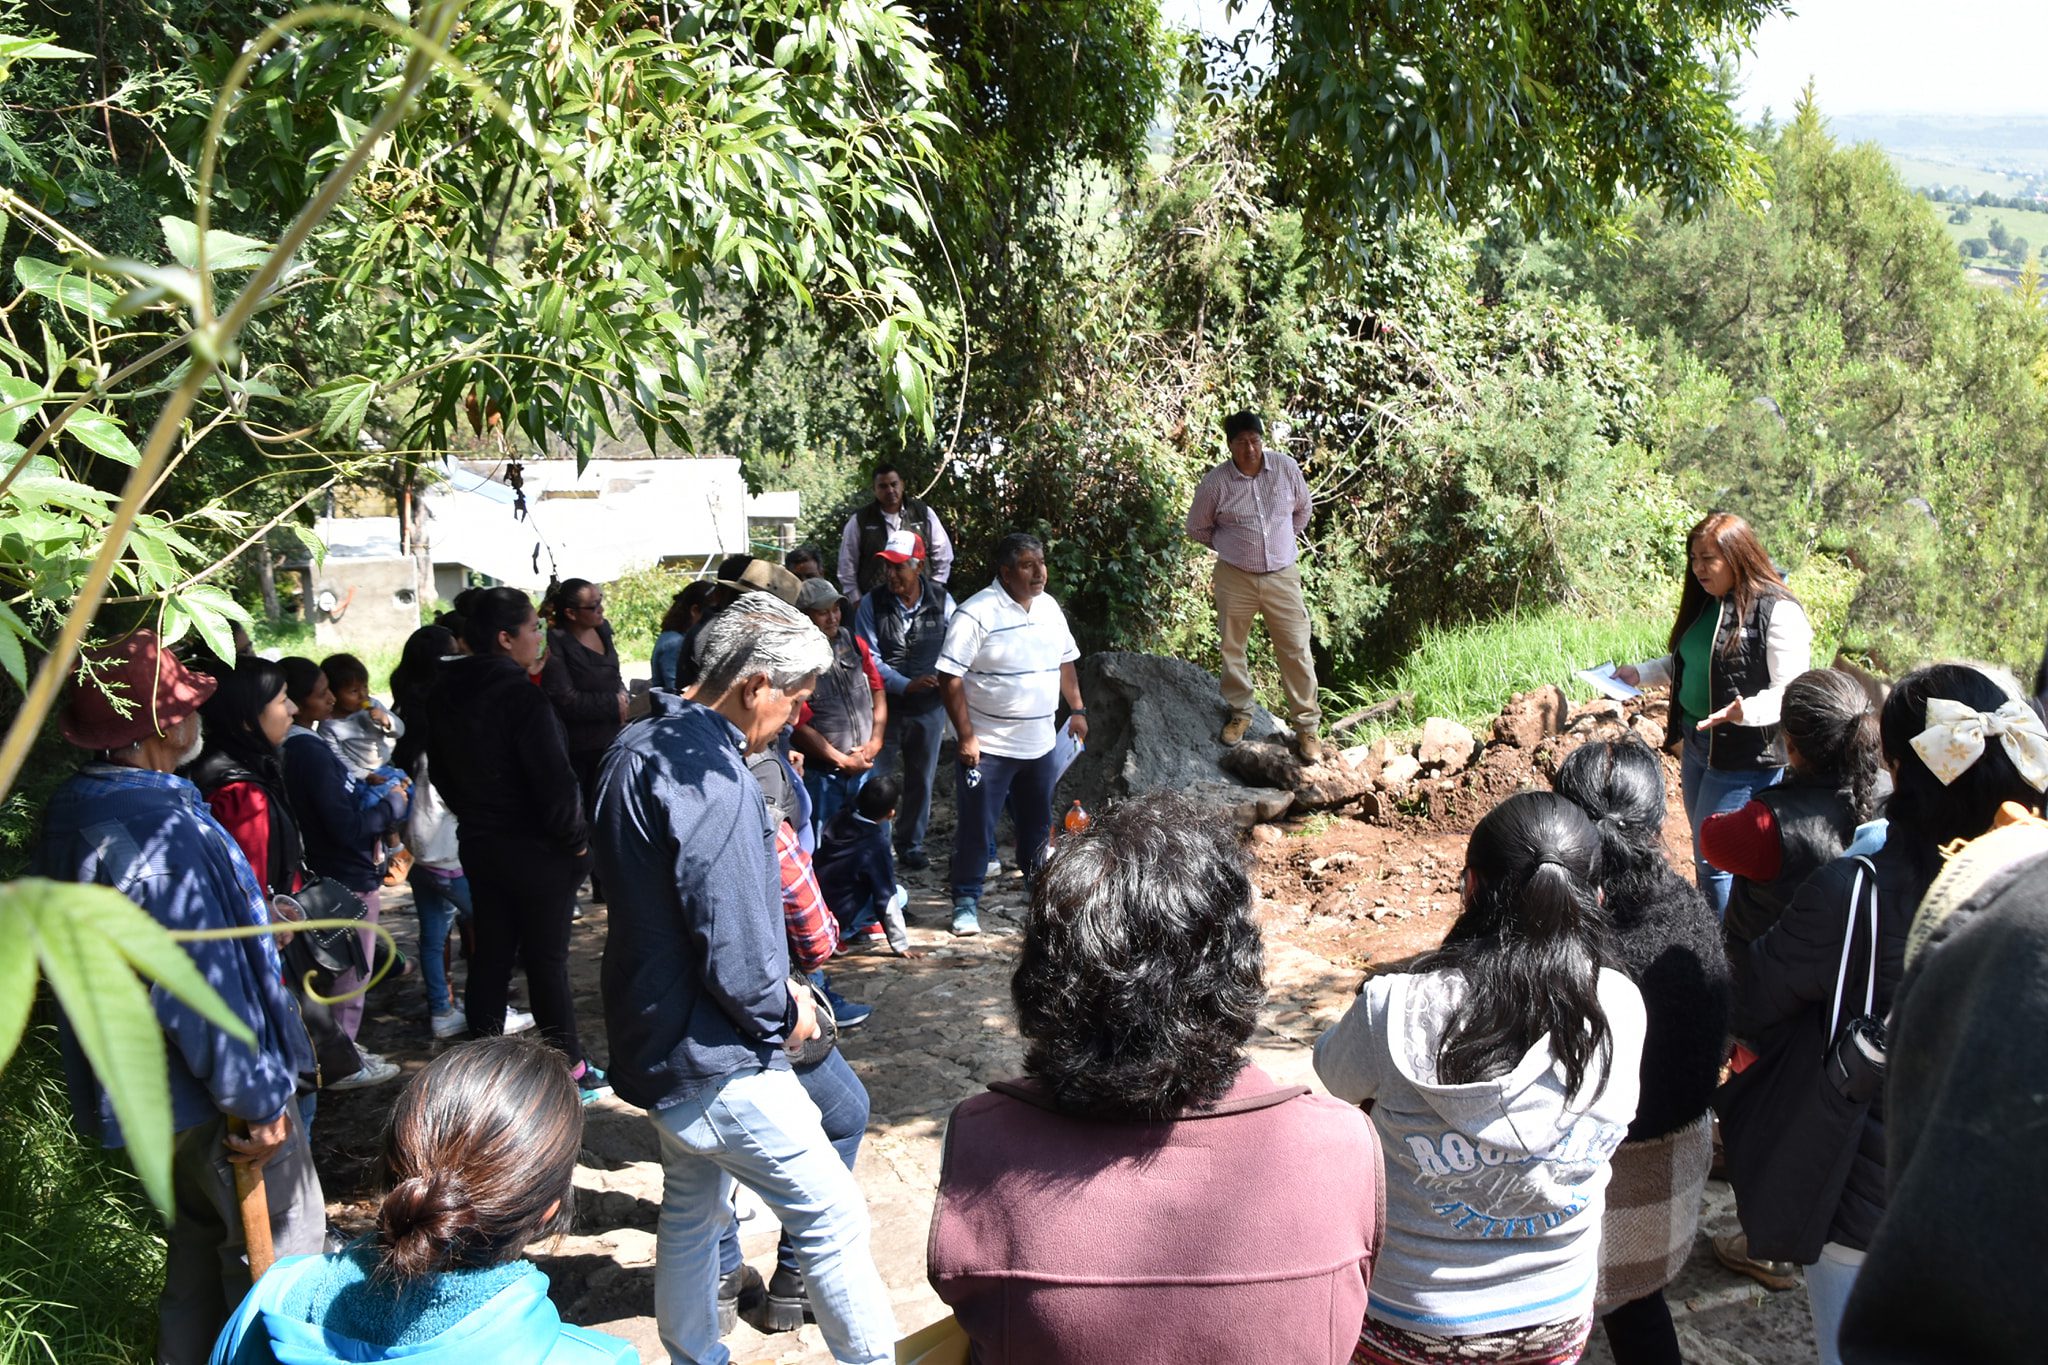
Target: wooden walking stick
x=255, y=1202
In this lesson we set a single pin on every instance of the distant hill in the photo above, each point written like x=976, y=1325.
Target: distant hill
x=2004, y=155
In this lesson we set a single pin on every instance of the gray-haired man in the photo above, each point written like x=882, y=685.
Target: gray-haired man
x=698, y=1001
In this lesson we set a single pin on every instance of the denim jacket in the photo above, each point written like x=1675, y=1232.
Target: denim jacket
x=149, y=836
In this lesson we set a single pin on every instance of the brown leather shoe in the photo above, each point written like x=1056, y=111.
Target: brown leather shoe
x=1732, y=1250
x=1234, y=728
x=1310, y=744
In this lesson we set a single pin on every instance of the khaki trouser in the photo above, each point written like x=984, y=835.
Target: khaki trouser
x=1277, y=596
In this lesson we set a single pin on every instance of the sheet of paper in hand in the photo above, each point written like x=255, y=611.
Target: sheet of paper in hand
x=1603, y=681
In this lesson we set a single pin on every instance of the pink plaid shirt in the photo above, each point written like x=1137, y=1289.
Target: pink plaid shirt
x=813, y=932
x=1252, y=523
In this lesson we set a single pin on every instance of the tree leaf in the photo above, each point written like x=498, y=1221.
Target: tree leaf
x=108, y=1009
x=65, y=287
x=102, y=435
x=20, y=399
x=12, y=659
x=224, y=250
x=348, y=403
x=212, y=612
x=17, y=978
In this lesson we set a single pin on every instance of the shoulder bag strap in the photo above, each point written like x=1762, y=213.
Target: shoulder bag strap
x=1864, y=871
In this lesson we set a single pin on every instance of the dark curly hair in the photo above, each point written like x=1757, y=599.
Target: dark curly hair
x=480, y=1158
x=1142, y=971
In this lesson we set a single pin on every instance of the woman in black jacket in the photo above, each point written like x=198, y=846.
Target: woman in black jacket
x=581, y=677
x=1959, y=745
x=1665, y=939
x=500, y=760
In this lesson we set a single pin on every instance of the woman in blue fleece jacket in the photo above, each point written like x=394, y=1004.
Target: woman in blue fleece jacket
x=480, y=1155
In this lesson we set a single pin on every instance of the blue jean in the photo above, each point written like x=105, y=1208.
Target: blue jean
x=1025, y=786
x=1715, y=791
x=830, y=794
x=440, y=902
x=843, y=1110
x=761, y=1128
x=1828, y=1282
x=917, y=738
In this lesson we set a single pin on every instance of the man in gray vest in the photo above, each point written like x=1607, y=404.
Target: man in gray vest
x=868, y=531
x=904, y=627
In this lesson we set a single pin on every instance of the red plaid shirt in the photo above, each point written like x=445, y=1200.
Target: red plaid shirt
x=813, y=932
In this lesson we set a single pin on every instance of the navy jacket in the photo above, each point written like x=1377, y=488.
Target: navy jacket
x=337, y=831
x=696, y=964
x=149, y=836
x=854, y=866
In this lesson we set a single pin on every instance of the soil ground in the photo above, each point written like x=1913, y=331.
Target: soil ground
x=1338, y=897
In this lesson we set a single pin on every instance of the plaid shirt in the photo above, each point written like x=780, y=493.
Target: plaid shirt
x=813, y=932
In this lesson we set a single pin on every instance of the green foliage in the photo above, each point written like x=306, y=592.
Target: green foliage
x=1378, y=109
x=636, y=603
x=1827, y=588
x=81, y=1262
x=1466, y=670
x=1828, y=372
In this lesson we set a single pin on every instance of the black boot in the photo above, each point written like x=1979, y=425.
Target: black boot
x=788, y=1305
x=737, y=1292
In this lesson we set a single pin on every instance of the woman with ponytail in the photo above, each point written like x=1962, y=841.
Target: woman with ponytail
x=1666, y=941
x=1835, y=781
x=479, y=1161
x=1501, y=1072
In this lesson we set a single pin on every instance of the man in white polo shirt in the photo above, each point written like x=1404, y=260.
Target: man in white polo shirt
x=1007, y=662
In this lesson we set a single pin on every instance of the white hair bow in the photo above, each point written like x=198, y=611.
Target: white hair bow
x=1957, y=733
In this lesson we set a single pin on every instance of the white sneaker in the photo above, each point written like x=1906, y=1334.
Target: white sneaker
x=376, y=1070
x=517, y=1021
x=994, y=869
x=450, y=1023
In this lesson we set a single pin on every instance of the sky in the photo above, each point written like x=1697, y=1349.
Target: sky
x=1866, y=56
x=1899, y=56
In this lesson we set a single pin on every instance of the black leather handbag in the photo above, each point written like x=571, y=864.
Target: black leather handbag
x=816, y=1049
x=326, y=953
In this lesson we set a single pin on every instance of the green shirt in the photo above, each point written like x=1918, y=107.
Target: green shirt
x=1695, y=652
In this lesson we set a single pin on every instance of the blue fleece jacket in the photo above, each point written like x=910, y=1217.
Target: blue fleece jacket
x=330, y=1310
x=149, y=836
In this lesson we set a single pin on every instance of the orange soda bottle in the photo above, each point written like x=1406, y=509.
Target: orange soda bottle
x=1077, y=819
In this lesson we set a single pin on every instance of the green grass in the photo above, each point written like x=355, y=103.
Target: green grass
x=296, y=637
x=2031, y=224
x=1921, y=173
x=81, y=1259
x=1468, y=672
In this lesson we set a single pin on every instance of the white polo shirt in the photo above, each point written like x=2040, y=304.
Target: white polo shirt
x=1008, y=659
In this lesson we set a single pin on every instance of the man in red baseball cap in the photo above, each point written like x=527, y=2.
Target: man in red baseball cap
x=904, y=624
x=126, y=820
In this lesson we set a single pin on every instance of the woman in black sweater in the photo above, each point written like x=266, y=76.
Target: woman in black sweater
x=582, y=679
x=500, y=760
x=1667, y=942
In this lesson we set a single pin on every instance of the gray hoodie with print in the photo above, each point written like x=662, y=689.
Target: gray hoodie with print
x=1494, y=1188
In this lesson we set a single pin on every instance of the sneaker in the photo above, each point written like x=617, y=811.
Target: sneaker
x=740, y=1290
x=966, y=920
x=1234, y=728
x=913, y=861
x=869, y=940
x=594, y=1084
x=993, y=870
x=786, y=1305
x=450, y=1023
x=1732, y=1251
x=376, y=1070
x=517, y=1021
x=1310, y=745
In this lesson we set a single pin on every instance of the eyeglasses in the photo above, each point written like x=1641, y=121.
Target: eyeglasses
x=595, y=604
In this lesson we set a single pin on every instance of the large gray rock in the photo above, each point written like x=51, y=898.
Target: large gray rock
x=1152, y=726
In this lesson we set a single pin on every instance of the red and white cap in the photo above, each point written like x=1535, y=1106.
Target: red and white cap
x=902, y=545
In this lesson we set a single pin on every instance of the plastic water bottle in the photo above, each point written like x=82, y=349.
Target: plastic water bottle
x=974, y=777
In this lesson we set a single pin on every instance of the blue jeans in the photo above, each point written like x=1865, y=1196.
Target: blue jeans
x=1715, y=791
x=917, y=738
x=1828, y=1282
x=1025, y=786
x=843, y=1109
x=830, y=794
x=440, y=902
x=761, y=1128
